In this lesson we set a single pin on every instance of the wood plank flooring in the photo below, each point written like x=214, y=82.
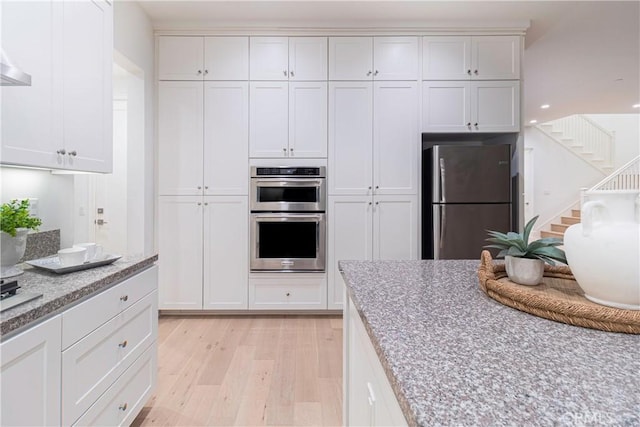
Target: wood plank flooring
x=247, y=371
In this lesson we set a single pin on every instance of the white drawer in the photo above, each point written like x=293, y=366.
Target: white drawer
x=87, y=316
x=120, y=404
x=288, y=291
x=91, y=365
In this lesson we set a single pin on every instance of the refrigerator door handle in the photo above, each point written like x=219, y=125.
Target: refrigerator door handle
x=441, y=182
x=439, y=224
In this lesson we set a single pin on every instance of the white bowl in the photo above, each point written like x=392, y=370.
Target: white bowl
x=71, y=256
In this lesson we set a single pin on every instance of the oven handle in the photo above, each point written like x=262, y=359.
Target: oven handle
x=295, y=182
x=314, y=217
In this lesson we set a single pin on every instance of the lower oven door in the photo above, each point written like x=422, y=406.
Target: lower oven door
x=288, y=241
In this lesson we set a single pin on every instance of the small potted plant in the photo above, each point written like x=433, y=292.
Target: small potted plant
x=15, y=223
x=524, y=262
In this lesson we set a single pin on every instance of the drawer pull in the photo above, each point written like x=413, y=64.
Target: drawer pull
x=124, y=298
x=123, y=407
x=123, y=344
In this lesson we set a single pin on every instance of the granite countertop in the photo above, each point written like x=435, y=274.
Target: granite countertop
x=456, y=357
x=60, y=291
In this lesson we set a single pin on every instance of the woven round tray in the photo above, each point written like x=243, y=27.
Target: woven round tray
x=557, y=298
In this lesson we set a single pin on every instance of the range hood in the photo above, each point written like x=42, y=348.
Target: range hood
x=10, y=75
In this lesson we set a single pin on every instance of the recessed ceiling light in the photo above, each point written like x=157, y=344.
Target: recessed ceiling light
x=544, y=106
x=533, y=121
x=636, y=105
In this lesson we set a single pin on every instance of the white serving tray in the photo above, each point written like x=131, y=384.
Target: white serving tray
x=53, y=265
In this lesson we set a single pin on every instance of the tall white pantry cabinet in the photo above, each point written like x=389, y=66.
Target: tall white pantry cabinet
x=203, y=127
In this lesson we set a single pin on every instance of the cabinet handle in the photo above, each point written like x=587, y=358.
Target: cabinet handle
x=73, y=153
x=123, y=344
x=124, y=298
x=475, y=72
x=291, y=73
x=469, y=72
x=375, y=73
x=285, y=72
x=62, y=151
x=199, y=72
x=123, y=407
x=369, y=73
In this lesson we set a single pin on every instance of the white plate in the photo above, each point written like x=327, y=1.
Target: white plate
x=53, y=263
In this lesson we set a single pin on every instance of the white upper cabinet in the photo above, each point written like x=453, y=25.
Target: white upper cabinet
x=269, y=125
x=475, y=58
x=64, y=119
x=308, y=119
x=373, y=58
x=463, y=106
x=288, y=58
x=226, y=58
x=203, y=58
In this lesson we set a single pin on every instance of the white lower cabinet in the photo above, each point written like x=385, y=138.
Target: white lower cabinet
x=370, y=399
x=30, y=376
x=366, y=228
x=204, y=252
x=275, y=291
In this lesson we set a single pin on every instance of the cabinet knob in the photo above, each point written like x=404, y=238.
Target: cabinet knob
x=199, y=72
x=375, y=73
x=468, y=124
x=369, y=73
x=369, y=187
x=73, y=153
x=377, y=203
x=206, y=71
x=199, y=203
x=475, y=72
x=199, y=187
x=291, y=149
x=291, y=73
x=62, y=151
x=123, y=344
x=123, y=407
x=288, y=294
x=284, y=150
x=206, y=203
x=285, y=72
x=475, y=124
x=124, y=298
x=370, y=203
x=469, y=72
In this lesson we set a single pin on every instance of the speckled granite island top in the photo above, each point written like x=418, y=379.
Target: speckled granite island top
x=60, y=291
x=456, y=357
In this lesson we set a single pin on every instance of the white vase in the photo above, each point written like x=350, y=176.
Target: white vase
x=603, y=251
x=11, y=250
x=524, y=271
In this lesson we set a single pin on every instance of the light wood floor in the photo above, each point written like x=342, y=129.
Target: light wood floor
x=247, y=371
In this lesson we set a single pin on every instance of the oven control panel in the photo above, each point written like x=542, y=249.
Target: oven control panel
x=319, y=172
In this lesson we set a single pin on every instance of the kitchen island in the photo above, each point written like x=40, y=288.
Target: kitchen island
x=453, y=356
x=85, y=352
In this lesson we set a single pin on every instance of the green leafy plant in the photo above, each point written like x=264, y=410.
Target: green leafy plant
x=515, y=245
x=14, y=215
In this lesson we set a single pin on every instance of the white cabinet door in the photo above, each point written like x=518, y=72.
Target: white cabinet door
x=349, y=238
x=226, y=252
x=226, y=138
x=395, y=58
x=308, y=119
x=268, y=119
x=350, y=138
x=396, y=147
x=350, y=58
x=307, y=58
x=395, y=227
x=226, y=58
x=31, y=130
x=269, y=58
x=495, y=106
x=446, y=58
x=30, y=376
x=495, y=57
x=180, y=134
x=87, y=75
x=446, y=106
x=180, y=249
x=180, y=58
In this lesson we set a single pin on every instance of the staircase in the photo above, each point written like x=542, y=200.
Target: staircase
x=584, y=138
x=558, y=229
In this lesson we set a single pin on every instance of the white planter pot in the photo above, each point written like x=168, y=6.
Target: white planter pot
x=524, y=271
x=603, y=251
x=12, y=249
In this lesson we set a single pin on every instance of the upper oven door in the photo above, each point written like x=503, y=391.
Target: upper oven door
x=288, y=194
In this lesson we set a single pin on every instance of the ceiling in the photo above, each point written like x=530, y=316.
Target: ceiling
x=580, y=57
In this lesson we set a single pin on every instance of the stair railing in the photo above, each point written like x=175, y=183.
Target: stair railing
x=627, y=177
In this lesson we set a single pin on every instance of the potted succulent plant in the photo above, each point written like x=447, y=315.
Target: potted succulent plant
x=15, y=223
x=524, y=261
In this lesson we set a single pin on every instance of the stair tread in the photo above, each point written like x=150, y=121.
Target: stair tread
x=569, y=220
x=575, y=213
x=545, y=233
x=559, y=227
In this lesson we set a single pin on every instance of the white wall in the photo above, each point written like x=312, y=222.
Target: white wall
x=54, y=194
x=627, y=130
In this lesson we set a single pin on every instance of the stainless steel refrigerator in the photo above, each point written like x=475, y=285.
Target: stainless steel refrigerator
x=466, y=190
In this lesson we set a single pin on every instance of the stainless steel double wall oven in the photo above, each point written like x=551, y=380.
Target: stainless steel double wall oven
x=288, y=220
